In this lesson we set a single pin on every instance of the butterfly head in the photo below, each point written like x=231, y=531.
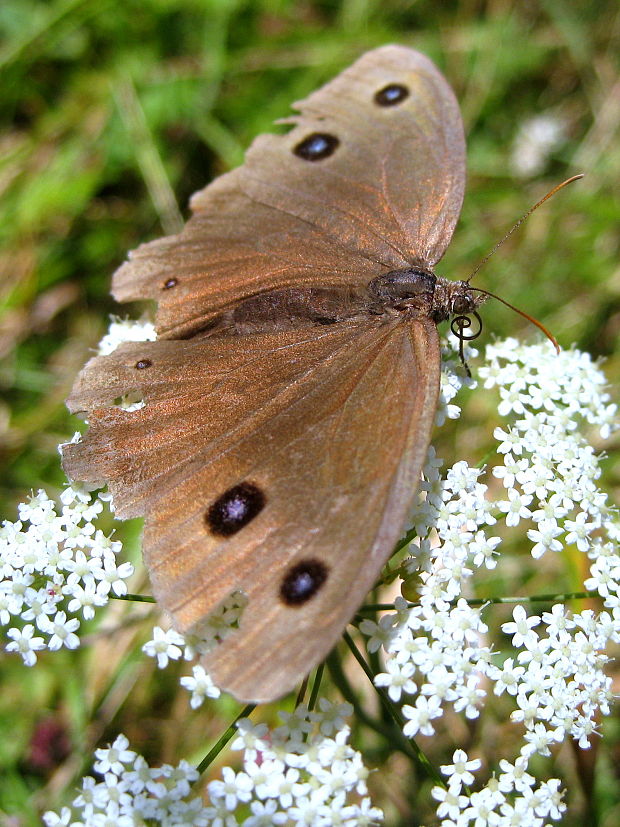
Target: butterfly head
x=455, y=298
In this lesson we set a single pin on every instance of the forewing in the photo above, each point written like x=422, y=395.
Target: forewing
x=331, y=428
x=387, y=197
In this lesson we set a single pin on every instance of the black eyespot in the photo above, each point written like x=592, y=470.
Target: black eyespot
x=170, y=283
x=317, y=146
x=235, y=509
x=303, y=581
x=143, y=363
x=391, y=94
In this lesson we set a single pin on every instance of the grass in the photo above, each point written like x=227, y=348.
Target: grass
x=112, y=114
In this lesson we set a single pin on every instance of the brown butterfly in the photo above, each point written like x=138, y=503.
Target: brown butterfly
x=290, y=397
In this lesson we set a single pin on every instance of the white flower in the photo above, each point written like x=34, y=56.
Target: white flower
x=305, y=771
x=397, y=678
x=297, y=724
x=234, y=788
x=25, y=643
x=539, y=738
x=285, y=786
x=557, y=620
x=133, y=793
x=379, y=634
x=507, y=678
x=165, y=645
x=480, y=812
x=115, y=757
x=200, y=685
x=470, y=698
x=550, y=799
x=419, y=717
x=451, y=801
x=331, y=717
x=579, y=531
x=63, y=554
x=515, y=507
x=85, y=600
x=515, y=776
x=544, y=537
x=61, y=631
x=461, y=771
x=483, y=550
x=521, y=627
x=264, y=814
x=112, y=577
x=252, y=738
x=62, y=819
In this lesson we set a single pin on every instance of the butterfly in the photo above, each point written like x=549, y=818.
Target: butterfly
x=289, y=399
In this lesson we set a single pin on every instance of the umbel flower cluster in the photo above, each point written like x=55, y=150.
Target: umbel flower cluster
x=437, y=652
x=302, y=772
x=57, y=568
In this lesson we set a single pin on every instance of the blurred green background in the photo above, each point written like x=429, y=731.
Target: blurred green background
x=113, y=113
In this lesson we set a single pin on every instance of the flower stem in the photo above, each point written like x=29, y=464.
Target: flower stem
x=483, y=601
x=224, y=739
x=414, y=750
x=316, y=686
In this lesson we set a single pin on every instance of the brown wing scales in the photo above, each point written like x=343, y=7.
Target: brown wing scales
x=328, y=428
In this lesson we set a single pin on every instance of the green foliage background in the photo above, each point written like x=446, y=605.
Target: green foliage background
x=112, y=113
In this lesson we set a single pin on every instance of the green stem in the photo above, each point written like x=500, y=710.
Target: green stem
x=225, y=738
x=302, y=692
x=483, y=601
x=134, y=598
x=395, y=714
x=314, y=694
x=345, y=689
x=387, y=730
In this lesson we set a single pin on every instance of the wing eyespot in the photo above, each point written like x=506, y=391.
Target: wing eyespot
x=391, y=95
x=235, y=508
x=303, y=581
x=317, y=146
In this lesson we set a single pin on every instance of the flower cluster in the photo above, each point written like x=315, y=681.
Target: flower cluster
x=302, y=772
x=57, y=569
x=436, y=650
x=512, y=798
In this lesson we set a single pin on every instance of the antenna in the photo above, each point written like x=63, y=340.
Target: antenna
x=511, y=231
x=525, y=315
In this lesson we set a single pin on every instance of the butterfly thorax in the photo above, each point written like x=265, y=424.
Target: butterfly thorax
x=422, y=293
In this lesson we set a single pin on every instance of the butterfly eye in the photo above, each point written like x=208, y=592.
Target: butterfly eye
x=142, y=364
x=462, y=304
x=170, y=283
x=317, y=146
x=391, y=94
x=303, y=581
x=235, y=509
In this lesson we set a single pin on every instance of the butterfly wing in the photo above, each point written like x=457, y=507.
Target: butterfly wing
x=387, y=196
x=327, y=431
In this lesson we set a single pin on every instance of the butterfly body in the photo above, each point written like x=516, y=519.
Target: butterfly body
x=289, y=399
